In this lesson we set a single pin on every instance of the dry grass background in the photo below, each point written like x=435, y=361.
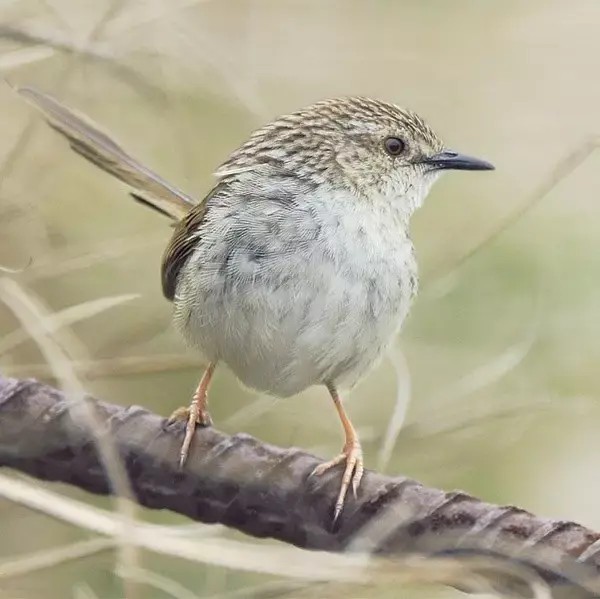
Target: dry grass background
x=500, y=355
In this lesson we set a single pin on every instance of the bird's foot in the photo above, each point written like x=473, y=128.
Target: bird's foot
x=184, y=412
x=352, y=455
x=194, y=415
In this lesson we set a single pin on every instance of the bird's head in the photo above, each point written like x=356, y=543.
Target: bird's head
x=369, y=147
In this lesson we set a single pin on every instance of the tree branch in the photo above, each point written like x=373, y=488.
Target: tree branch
x=265, y=491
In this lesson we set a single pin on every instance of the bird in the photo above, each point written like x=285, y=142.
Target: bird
x=297, y=268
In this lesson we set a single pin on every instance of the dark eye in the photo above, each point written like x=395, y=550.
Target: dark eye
x=394, y=146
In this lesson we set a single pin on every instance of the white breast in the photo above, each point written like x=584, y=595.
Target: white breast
x=290, y=295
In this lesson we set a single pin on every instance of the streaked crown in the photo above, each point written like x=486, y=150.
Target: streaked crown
x=337, y=140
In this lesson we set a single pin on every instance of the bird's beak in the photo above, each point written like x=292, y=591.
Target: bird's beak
x=460, y=162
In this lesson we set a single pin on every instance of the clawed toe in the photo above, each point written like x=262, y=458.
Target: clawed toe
x=353, y=472
x=195, y=417
x=195, y=414
x=204, y=419
x=184, y=413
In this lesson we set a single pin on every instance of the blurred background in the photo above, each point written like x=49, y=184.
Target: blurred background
x=492, y=387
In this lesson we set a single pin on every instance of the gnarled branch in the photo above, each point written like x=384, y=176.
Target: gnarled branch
x=265, y=491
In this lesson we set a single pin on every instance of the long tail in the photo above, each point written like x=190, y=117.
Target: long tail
x=86, y=139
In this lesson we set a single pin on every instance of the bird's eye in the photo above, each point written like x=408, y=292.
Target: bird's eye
x=394, y=146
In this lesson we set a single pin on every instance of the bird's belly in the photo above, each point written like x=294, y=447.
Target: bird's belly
x=285, y=320
x=303, y=325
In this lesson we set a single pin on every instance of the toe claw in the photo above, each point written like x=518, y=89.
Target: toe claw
x=352, y=475
x=195, y=414
x=357, y=478
x=204, y=419
x=325, y=466
x=336, y=513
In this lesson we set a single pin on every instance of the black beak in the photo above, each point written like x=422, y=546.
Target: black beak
x=460, y=162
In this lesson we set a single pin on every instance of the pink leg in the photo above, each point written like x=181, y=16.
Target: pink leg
x=351, y=454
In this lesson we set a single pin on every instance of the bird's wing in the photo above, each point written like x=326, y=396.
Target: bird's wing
x=89, y=141
x=185, y=238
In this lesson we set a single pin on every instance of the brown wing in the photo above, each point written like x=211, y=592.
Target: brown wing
x=89, y=141
x=184, y=240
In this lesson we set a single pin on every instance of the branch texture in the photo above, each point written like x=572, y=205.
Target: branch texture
x=265, y=491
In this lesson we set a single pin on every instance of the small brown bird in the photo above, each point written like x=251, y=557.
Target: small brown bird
x=297, y=268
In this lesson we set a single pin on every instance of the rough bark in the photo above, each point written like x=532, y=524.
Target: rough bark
x=265, y=491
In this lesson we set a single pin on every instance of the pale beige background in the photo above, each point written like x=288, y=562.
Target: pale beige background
x=502, y=349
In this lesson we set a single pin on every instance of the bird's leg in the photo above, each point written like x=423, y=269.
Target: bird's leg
x=195, y=413
x=351, y=454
